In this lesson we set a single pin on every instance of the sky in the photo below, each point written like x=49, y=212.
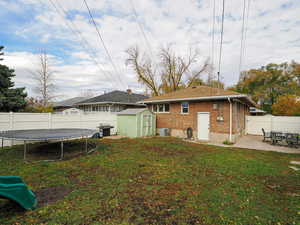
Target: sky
x=29, y=26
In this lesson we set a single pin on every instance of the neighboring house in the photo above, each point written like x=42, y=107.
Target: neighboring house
x=67, y=104
x=213, y=114
x=257, y=112
x=114, y=101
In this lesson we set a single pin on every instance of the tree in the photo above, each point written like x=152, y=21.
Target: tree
x=173, y=72
x=11, y=99
x=287, y=105
x=267, y=83
x=44, y=80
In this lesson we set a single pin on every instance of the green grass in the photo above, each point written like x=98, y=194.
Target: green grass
x=159, y=181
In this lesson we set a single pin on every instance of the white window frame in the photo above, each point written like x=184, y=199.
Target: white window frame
x=164, y=108
x=188, y=108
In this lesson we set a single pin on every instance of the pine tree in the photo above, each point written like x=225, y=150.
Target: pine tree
x=11, y=99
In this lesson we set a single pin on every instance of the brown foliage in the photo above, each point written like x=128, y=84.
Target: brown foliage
x=287, y=105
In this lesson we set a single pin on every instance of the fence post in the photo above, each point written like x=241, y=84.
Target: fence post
x=49, y=120
x=272, y=123
x=11, y=125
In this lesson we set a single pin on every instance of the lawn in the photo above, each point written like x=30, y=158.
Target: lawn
x=157, y=181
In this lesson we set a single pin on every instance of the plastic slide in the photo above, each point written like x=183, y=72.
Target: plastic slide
x=13, y=188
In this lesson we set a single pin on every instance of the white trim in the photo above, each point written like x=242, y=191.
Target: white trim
x=197, y=98
x=101, y=103
x=181, y=111
x=208, y=126
x=230, y=120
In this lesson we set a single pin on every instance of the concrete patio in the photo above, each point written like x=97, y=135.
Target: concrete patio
x=255, y=142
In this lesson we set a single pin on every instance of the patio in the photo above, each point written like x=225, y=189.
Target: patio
x=255, y=142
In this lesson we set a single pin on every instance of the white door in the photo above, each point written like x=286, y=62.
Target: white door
x=203, y=126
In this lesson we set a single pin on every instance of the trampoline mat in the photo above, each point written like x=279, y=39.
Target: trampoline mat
x=46, y=134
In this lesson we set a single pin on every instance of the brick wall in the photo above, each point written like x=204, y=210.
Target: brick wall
x=176, y=120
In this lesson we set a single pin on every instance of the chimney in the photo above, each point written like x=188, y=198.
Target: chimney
x=129, y=91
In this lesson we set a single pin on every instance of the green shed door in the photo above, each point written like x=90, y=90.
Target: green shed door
x=127, y=125
x=147, y=125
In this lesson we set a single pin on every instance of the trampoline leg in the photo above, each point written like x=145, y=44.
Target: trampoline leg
x=2, y=143
x=61, y=150
x=24, y=154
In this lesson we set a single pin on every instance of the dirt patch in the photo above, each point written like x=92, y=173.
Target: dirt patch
x=50, y=195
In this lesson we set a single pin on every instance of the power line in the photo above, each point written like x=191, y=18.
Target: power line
x=213, y=39
x=83, y=42
x=246, y=29
x=141, y=28
x=242, y=38
x=221, y=42
x=102, y=41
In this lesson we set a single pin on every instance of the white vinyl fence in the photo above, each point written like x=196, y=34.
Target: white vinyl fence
x=25, y=121
x=254, y=124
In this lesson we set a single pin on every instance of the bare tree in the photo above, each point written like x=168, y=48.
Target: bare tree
x=174, y=71
x=44, y=80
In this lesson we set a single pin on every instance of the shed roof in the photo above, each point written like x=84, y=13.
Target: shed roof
x=132, y=111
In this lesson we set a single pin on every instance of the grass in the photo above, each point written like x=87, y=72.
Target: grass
x=157, y=181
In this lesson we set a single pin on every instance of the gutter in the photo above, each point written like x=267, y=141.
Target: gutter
x=230, y=120
x=199, y=98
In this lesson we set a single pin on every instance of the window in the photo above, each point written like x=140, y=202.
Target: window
x=185, y=107
x=161, y=108
x=167, y=108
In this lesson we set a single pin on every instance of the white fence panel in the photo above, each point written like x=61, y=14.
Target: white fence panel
x=24, y=121
x=254, y=124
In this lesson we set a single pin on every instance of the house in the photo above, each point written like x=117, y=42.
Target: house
x=114, y=101
x=67, y=104
x=210, y=114
x=257, y=112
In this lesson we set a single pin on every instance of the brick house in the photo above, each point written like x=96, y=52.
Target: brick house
x=212, y=114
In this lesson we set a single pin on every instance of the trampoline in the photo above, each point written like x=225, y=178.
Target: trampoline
x=46, y=135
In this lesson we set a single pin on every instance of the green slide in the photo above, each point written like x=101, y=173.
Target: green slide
x=13, y=188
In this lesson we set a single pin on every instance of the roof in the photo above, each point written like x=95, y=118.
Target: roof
x=69, y=102
x=120, y=97
x=255, y=110
x=197, y=93
x=132, y=111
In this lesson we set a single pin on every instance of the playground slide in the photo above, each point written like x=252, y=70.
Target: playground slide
x=13, y=188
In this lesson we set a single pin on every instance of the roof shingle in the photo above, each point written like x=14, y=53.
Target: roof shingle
x=115, y=96
x=193, y=92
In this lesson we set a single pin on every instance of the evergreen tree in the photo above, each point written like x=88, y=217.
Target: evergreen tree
x=11, y=99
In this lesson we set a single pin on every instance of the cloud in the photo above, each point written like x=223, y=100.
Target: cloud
x=272, y=36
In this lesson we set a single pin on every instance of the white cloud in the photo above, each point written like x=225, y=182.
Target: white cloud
x=273, y=36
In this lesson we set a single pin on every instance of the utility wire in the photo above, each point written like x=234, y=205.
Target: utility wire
x=213, y=39
x=242, y=38
x=221, y=43
x=83, y=42
x=102, y=41
x=141, y=28
x=246, y=29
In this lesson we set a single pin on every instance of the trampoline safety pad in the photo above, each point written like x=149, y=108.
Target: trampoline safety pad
x=48, y=135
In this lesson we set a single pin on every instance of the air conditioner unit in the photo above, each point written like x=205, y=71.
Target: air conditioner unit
x=164, y=132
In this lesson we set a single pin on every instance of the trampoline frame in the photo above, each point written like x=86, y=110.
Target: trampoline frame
x=61, y=140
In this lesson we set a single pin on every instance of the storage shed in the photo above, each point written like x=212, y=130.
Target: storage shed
x=137, y=122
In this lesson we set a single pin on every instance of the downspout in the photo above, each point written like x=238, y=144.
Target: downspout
x=230, y=120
